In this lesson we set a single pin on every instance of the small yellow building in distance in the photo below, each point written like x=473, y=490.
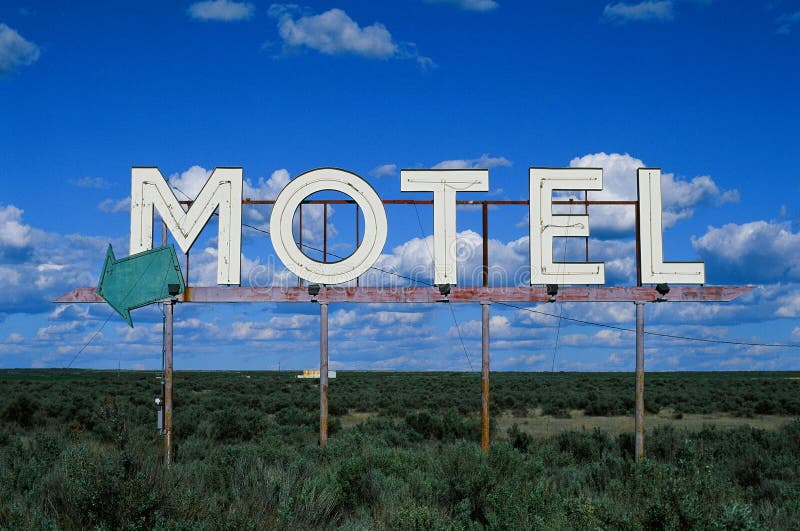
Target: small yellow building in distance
x=314, y=373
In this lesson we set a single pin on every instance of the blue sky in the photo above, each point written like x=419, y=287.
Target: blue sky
x=706, y=90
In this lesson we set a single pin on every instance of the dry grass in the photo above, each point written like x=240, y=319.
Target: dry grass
x=540, y=425
x=355, y=417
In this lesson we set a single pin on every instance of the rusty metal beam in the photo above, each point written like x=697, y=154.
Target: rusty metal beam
x=430, y=202
x=367, y=294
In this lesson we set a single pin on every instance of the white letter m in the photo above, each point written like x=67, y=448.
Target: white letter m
x=223, y=189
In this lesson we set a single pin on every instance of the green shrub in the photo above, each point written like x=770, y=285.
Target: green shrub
x=518, y=438
x=448, y=426
x=21, y=410
x=247, y=455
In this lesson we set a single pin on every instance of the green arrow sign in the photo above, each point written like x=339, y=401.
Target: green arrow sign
x=140, y=279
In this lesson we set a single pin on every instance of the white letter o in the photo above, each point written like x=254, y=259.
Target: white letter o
x=350, y=184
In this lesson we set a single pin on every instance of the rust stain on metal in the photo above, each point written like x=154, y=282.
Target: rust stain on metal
x=358, y=279
x=366, y=294
x=638, y=244
x=485, y=266
x=249, y=201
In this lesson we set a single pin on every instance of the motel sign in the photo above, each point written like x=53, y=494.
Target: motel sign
x=223, y=191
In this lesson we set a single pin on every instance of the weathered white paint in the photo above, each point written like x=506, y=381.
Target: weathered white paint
x=444, y=184
x=544, y=225
x=654, y=269
x=375, y=226
x=223, y=189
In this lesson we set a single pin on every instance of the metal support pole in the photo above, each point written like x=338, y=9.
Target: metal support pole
x=300, y=235
x=323, y=374
x=639, y=415
x=638, y=245
x=187, y=256
x=357, y=234
x=485, y=376
x=325, y=232
x=163, y=233
x=169, y=307
x=586, y=213
x=485, y=266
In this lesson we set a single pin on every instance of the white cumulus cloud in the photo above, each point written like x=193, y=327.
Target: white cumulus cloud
x=413, y=259
x=758, y=251
x=266, y=188
x=15, y=50
x=221, y=10
x=115, y=206
x=188, y=184
x=484, y=161
x=335, y=33
x=643, y=11
x=679, y=196
x=469, y=5
x=523, y=360
x=90, y=182
x=13, y=233
x=384, y=170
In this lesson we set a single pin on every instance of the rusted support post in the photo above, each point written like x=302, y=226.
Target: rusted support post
x=323, y=374
x=586, y=213
x=169, y=308
x=190, y=203
x=639, y=415
x=638, y=245
x=357, y=231
x=485, y=376
x=300, y=236
x=300, y=225
x=485, y=212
